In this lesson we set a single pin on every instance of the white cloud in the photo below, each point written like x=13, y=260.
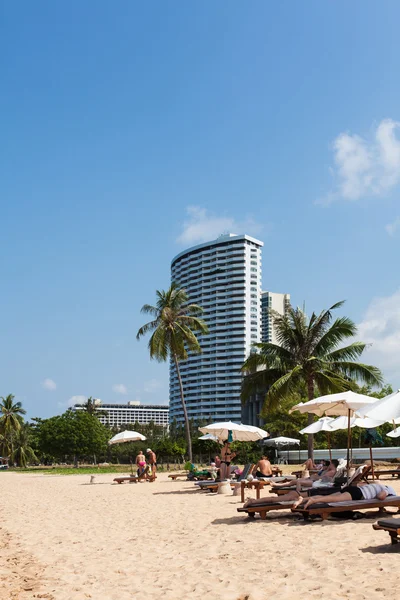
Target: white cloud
x=380, y=327
x=76, y=400
x=49, y=384
x=151, y=386
x=366, y=167
x=391, y=228
x=120, y=388
x=202, y=226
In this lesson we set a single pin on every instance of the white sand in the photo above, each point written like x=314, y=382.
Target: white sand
x=64, y=539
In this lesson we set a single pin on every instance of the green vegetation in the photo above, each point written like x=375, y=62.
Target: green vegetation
x=309, y=356
x=173, y=335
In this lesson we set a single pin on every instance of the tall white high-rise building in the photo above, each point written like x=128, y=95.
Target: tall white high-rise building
x=224, y=278
x=278, y=302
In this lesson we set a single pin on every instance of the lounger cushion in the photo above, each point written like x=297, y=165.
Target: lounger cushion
x=389, y=523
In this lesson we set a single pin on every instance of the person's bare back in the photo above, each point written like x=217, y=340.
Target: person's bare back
x=264, y=467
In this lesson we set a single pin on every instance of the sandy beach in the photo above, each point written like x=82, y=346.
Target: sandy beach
x=64, y=539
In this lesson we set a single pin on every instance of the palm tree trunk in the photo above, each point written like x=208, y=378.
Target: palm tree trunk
x=187, y=426
x=310, y=389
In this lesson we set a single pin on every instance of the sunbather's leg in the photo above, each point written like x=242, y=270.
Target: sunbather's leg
x=267, y=500
x=340, y=497
x=291, y=483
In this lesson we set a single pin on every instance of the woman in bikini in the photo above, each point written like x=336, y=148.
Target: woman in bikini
x=226, y=458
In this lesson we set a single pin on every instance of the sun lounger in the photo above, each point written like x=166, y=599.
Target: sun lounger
x=133, y=478
x=175, y=476
x=212, y=485
x=360, y=473
x=392, y=472
x=325, y=509
x=262, y=509
x=392, y=526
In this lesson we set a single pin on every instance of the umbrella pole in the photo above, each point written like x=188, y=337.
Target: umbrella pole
x=372, y=463
x=329, y=445
x=348, y=443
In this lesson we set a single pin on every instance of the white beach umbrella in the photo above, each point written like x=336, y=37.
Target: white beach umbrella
x=386, y=409
x=334, y=405
x=239, y=432
x=342, y=423
x=321, y=425
x=365, y=423
x=280, y=442
x=210, y=436
x=395, y=433
x=127, y=436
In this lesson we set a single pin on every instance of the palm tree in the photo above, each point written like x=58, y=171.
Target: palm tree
x=92, y=406
x=10, y=420
x=23, y=452
x=307, y=353
x=173, y=327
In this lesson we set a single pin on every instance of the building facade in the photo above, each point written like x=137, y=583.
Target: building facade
x=272, y=301
x=280, y=303
x=117, y=415
x=224, y=278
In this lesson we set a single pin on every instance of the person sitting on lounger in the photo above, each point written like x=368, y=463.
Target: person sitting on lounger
x=326, y=475
x=263, y=468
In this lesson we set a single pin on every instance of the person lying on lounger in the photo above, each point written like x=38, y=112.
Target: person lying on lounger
x=327, y=475
x=353, y=492
x=368, y=491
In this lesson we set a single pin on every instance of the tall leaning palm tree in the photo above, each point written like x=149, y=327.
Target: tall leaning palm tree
x=10, y=420
x=310, y=352
x=173, y=328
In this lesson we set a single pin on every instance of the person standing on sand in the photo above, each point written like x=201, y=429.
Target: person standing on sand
x=140, y=463
x=226, y=458
x=152, y=462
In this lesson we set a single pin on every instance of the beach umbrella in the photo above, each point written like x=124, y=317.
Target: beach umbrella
x=281, y=442
x=395, y=433
x=127, y=436
x=210, y=437
x=336, y=405
x=365, y=423
x=235, y=432
x=386, y=409
x=321, y=425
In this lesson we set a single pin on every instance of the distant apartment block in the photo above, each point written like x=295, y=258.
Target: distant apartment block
x=116, y=415
x=278, y=302
x=224, y=278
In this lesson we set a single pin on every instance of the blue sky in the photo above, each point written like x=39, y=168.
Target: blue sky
x=130, y=131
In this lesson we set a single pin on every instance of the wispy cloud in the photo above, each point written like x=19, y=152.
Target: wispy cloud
x=380, y=327
x=120, y=388
x=203, y=226
x=392, y=228
x=49, y=384
x=151, y=386
x=73, y=400
x=365, y=167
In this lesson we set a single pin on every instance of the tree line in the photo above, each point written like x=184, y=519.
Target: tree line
x=310, y=359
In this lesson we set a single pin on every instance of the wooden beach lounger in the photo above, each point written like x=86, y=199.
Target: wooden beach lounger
x=325, y=509
x=360, y=473
x=262, y=509
x=175, y=476
x=212, y=485
x=392, y=526
x=392, y=472
x=132, y=478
